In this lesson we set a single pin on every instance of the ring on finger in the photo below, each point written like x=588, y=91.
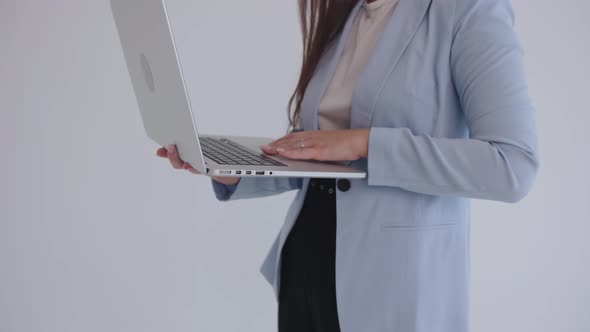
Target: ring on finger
x=302, y=143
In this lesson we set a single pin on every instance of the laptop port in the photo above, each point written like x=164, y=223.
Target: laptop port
x=225, y=172
x=248, y=172
x=259, y=172
x=238, y=172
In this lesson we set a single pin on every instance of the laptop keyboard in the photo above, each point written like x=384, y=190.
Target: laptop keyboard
x=226, y=152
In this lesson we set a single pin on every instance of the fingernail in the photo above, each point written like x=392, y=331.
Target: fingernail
x=170, y=149
x=281, y=149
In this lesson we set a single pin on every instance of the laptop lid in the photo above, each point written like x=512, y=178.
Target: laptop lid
x=156, y=75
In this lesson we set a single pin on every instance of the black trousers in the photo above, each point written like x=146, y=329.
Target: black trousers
x=307, y=295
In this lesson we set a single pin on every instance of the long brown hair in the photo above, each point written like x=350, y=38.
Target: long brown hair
x=321, y=22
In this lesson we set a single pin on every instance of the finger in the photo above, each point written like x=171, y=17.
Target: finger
x=174, y=157
x=272, y=148
x=295, y=140
x=268, y=149
x=189, y=168
x=162, y=152
x=282, y=140
x=300, y=154
x=296, y=145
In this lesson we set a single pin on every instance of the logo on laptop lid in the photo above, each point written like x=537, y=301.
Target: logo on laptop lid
x=147, y=73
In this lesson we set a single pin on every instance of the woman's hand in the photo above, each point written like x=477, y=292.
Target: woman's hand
x=172, y=154
x=323, y=145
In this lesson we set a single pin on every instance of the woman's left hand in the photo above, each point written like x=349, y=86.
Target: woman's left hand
x=323, y=145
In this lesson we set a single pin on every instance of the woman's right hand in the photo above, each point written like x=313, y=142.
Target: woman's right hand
x=171, y=153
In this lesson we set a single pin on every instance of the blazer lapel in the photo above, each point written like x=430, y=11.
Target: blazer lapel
x=323, y=76
x=397, y=36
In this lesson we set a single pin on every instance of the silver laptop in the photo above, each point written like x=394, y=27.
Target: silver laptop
x=156, y=74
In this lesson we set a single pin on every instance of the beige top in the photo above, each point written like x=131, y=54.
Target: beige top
x=334, y=111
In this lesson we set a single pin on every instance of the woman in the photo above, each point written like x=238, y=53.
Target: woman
x=430, y=98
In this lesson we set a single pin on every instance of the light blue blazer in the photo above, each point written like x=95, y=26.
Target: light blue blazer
x=446, y=99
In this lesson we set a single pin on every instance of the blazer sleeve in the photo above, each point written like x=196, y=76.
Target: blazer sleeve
x=254, y=187
x=499, y=161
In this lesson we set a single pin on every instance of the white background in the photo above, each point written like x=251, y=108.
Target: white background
x=97, y=234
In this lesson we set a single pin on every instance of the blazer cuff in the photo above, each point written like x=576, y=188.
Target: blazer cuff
x=222, y=191
x=382, y=141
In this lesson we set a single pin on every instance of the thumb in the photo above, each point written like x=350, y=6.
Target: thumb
x=190, y=168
